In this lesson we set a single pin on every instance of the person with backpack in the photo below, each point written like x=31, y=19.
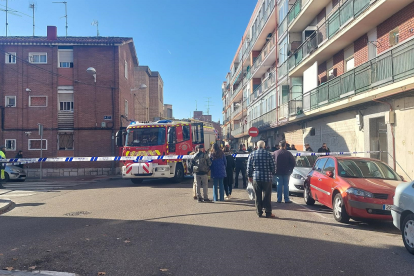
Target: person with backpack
x=201, y=166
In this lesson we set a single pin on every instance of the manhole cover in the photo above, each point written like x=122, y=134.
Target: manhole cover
x=79, y=213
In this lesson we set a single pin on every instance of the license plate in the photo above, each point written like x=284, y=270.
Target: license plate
x=386, y=207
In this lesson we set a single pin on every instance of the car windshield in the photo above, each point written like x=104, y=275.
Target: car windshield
x=145, y=137
x=366, y=169
x=305, y=161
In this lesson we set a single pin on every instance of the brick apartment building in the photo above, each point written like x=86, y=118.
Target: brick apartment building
x=150, y=105
x=44, y=80
x=168, y=111
x=334, y=71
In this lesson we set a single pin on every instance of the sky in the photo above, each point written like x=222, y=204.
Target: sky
x=190, y=42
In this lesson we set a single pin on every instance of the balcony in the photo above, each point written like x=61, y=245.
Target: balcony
x=261, y=59
x=236, y=112
x=265, y=120
x=391, y=67
x=239, y=131
x=263, y=87
x=350, y=21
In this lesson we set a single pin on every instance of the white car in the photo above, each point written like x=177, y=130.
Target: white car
x=403, y=213
x=14, y=173
x=303, y=166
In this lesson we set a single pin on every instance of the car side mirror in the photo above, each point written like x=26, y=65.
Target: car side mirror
x=329, y=174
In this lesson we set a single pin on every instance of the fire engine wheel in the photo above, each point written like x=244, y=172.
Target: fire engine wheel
x=179, y=173
x=137, y=180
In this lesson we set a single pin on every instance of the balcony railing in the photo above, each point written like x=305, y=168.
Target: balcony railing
x=393, y=66
x=238, y=131
x=270, y=44
x=349, y=10
x=236, y=111
x=264, y=120
x=282, y=70
x=282, y=27
x=264, y=86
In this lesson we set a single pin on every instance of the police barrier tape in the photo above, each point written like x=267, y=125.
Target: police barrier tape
x=160, y=157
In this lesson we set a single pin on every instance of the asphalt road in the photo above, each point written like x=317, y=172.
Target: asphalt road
x=158, y=229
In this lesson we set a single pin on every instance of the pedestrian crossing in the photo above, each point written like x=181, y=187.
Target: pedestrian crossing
x=38, y=186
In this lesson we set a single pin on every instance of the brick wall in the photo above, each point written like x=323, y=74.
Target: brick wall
x=404, y=20
x=322, y=73
x=361, y=50
x=142, y=95
x=338, y=63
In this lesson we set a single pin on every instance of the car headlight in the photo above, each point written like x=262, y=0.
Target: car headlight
x=297, y=176
x=14, y=171
x=359, y=192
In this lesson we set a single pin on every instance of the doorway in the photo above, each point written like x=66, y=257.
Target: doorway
x=378, y=138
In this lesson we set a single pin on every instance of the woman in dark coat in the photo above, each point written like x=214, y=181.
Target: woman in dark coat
x=218, y=170
x=228, y=180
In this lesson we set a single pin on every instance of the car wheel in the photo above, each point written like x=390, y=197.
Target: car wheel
x=339, y=210
x=137, y=180
x=179, y=174
x=407, y=231
x=307, y=197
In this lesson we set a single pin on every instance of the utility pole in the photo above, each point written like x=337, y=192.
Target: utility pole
x=66, y=14
x=196, y=104
x=41, y=147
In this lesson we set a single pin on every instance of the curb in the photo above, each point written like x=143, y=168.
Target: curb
x=5, y=204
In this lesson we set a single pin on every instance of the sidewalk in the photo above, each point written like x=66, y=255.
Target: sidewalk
x=87, y=178
x=4, y=204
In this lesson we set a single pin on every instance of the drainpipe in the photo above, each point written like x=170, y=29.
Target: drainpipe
x=277, y=63
x=392, y=132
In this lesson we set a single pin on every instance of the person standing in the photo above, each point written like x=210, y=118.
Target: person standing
x=218, y=171
x=201, y=166
x=19, y=155
x=324, y=149
x=307, y=147
x=228, y=180
x=241, y=167
x=260, y=168
x=2, y=166
x=284, y=164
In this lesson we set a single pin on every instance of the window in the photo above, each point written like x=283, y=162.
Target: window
x=35, y=144
x=10, y=58
x=186, y=133
x=349, y=64
x=331, y=74
x=329, y=166
x=320, y=164
x=10, y=101
x=38, y=58
x=65, y=101
x=10, y=144
x=65, y=58
x=65, y=141
x=126, y=69
x=394, y=37
x=126, y=108
x=38, y=101
x=312, y=132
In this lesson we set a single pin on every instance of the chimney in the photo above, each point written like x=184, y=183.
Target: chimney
x=51, y=33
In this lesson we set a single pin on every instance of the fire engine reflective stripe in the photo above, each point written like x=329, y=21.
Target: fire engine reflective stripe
x=145, y=166
x=129, y=170
x=161, y=157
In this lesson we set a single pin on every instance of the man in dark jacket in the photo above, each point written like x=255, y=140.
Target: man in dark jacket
x=201, y=166
x=241, y=167
x=284, y=164
x=228, y=180
x=324, y=148
x=307, y=147
x=19, y=155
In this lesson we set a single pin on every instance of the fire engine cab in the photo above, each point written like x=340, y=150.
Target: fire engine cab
x=162, y=138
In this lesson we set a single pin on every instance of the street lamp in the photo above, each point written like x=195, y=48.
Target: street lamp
x=92, y=72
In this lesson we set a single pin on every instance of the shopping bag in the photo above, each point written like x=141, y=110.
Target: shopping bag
x=250, y=191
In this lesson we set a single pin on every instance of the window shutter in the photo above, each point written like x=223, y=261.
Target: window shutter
x=66, y=97
x=65, y=56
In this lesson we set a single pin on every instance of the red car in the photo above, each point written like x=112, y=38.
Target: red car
x=353, y=187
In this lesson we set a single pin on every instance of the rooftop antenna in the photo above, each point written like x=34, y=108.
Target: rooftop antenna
x=196, y=104
x=66, y=14
x=32, y=6
x=7, y=13
x=208, y=105
x=96, y=23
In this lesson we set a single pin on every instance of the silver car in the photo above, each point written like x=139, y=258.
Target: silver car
x=403, y=213
x=303, y=166
x=14, y=173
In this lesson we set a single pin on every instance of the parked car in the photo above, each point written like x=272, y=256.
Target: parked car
x=303, y=166
x=14, y=173
x=353, y=187
x=403, y=213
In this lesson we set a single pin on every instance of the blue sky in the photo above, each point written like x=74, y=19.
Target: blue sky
x=190, y=42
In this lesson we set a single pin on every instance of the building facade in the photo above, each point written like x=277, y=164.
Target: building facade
x=44, y=80
x=343, y=76
x=168, y=111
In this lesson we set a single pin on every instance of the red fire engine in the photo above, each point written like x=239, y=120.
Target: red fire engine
x=163, y=137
